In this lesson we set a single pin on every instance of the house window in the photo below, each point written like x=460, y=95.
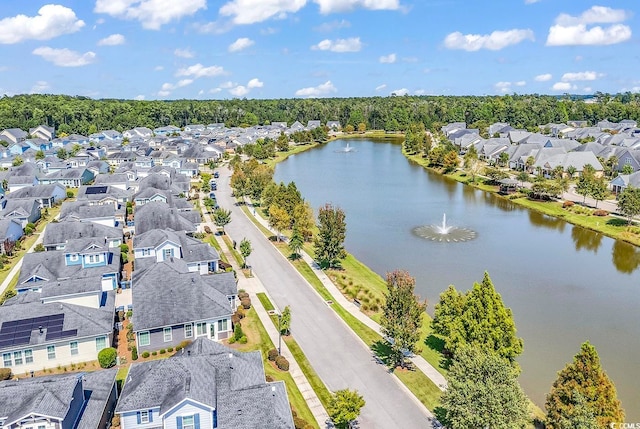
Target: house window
x=167, y=253
x=28, y=356
x=222, y=325
x=17, y=358
x=51, y=352
x=146, y=252
x=188, y=422
x=167, y=334
x=101, y=343
x=144, y=338
x=73, y=257
x=73, y=347
x=144, y=416
x=201, y=329
x=188, y=330
x=6, y=359
x=91, y=259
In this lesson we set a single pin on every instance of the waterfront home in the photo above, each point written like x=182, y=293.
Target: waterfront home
x=623, y=181
x=207, y=386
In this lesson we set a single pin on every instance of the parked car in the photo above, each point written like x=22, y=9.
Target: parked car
x=216, y=174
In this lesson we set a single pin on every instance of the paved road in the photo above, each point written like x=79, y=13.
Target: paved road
x=334, y=351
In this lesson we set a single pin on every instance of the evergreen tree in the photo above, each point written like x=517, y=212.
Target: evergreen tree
x=329, y=243
x=295, y=243
x=483, y=392
x=583, y=384
x=580, y=416
x=402, y=315
x=448, y=314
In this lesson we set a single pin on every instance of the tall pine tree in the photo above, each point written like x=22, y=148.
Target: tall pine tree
x=583, y=378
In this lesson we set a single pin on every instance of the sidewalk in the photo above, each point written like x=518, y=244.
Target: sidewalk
x=253, y=286
x=420, y=363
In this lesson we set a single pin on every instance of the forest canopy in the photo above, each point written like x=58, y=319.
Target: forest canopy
x=85, y=115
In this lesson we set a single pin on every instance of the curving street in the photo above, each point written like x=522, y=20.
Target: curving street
x=339, y=357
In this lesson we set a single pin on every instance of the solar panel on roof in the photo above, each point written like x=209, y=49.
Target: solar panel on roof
x=92, y=190
x=18, y=332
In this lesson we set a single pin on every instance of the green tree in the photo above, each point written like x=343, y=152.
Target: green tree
x=17, y=160
x=303, y=219
x=495, y=174
x=295, y=243
x=107, y=357
x=483, y=392
x=585, y=377
x=522, y=177
x=221, y=218
x=629, y=202
x=279, y=219
x=627, y=169
x=599, y=189
x=40, y=154
x=529, y=163
x=245, y=250
x=402, y=315
x=344, y=407
x=477, y=318
x=329, y=243
x=282, y=143
x=285, y=321
x=470, y=157
x=580, y=416
x=451, y=161
x=503, y=159
x=584, y=185
x=62, y=154
x=571, y=170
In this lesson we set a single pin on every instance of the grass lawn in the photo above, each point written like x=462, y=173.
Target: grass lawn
x=237, y=256
x=281, y=156
x=212, y=240
x=258, y=339
x=266, y=303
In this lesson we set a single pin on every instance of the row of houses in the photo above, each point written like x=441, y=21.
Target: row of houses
x=64, y=314
x=568, y=146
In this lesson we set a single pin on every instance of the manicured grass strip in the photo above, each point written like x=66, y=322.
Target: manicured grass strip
x=264, y=300
x=261, y=227
x=212, y=240
x=315, y=381
x=259, y=340
x=419, y=384
x=122, y=374
x=233, y=251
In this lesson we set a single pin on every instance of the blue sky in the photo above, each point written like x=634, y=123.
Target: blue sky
x=206, y=49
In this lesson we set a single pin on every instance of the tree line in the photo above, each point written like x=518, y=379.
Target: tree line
x=84, y=115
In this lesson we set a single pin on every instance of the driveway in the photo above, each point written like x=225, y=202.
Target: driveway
x=334, y=351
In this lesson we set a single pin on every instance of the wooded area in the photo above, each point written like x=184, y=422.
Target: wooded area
x=84, y=115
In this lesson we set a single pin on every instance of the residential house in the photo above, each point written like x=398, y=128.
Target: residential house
x=628, y=157
x=165, y=131
x=173, y=304
x=333, y=125
x=313, y=125
x=208, y=386
x=159, y=215
x=71, y=178
x=10, y=232
x=98, y=167
x=116, y=180
x=14, y=135
x=117, y=158
x=58, y=234
x=103, y=214
x=15, y=183
x=89, y=259
x=453, y=127
x=82, y=401
x=106, y=137
x=47, y=196
x=159, y=245
x=623, y=181
x=36, y=335
x=295, y=127
x=138, y=132
x=44, y=132
x=23, y=210
x=576, y=160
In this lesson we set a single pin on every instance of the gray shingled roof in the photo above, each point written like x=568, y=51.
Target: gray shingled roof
x=23, y=206
x=82, y=210
x=232, y=382
x=193, y=250
x=38, y=191
x=97, y=385
x=168, y=294
x=104, y=179
x=159, y=215
x=60, y=232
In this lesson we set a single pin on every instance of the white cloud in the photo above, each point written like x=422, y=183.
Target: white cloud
x=40, y=87
x=252, y=11
x=563, y=86
x=113, y=40
x=317, y=91
x=240, y=44
x=531, y=1
x=227, y=85
x=268, y=31
x=184, y=53
x=52, y=21
x=65, y=57
x=158, y=68
x=381, y=87
x=388, y=59
x=139, y=97
x=152, y=14
x=503, y=86
x=574, y=31
x=333, y=6
x=581, y=76
x=543, y=77
x=239, y=91
x=400, y=92
x=352, y=44
x=184, y=82
x=328, y=27
x=168, y=87
x=198, y=70
x=494, y=41
x=255, y=83
x=164, y=93
x=215, y=90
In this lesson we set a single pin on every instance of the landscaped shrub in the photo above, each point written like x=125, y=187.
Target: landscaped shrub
x=567, y=204
x=39, y=248
x=115, y=421
x=69, y=194
x=235, y=320
x=237, y=332
x=5, y=373
x=600, y=213
x=170, y=349
x=124, y=248
x=134, y=353
x=272, y=354
x=240, y=312
x=243, y=339
x=145, y=354
x=232, y=340
x=243, y=295
x=182, y=345
x=154, y=353
x=268, y=378
x=246, y=303
x=282, y=363
x=107, y=357
x=162, y=351
x=129, y=314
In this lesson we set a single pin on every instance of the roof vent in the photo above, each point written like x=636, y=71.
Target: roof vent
x=40, y=328
x=273, y=390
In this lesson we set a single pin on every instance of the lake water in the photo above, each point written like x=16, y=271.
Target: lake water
x=565, y=284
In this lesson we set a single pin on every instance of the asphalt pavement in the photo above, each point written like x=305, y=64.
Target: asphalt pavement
x=339, y=357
